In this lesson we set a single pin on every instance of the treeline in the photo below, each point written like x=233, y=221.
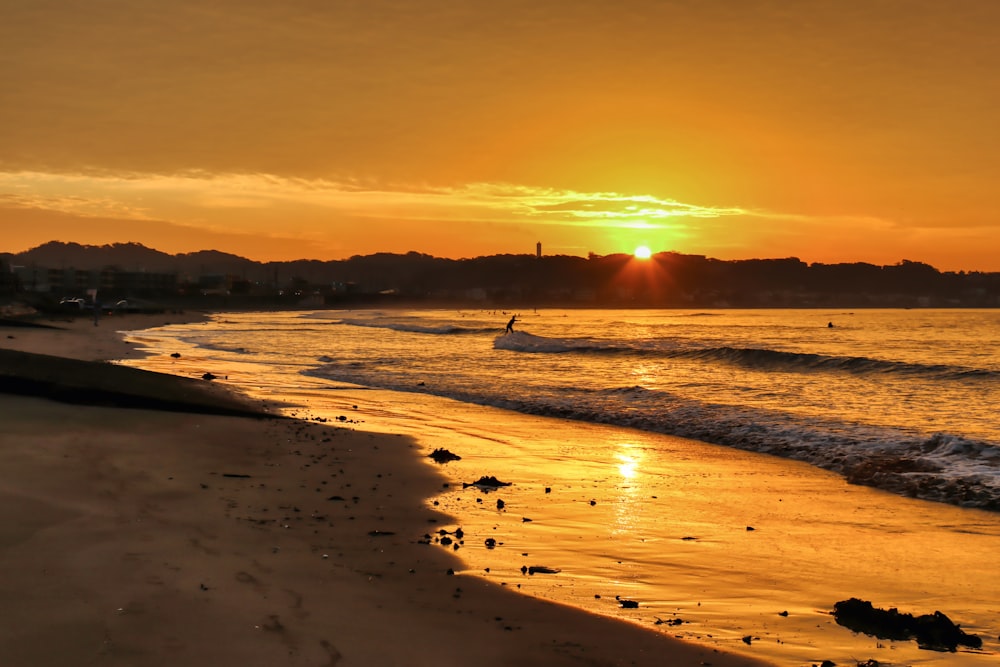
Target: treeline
x=666, y=280
x=669, y=280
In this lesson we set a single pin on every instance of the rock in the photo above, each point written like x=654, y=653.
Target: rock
x=485, y=483
x=490, y=543
x=441, y=455
x=932, y=631
x=208, y=376
x=500, y=504
x=176, y=355
x=541, y=569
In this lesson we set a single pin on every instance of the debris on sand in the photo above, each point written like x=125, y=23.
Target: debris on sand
x=442, y=455
x=485, y=483
x=934, y=632
x=672, y=621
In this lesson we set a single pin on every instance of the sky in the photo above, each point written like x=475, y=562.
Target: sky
x=832, y=131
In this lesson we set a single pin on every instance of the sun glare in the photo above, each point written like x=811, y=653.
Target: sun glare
x=643, y=252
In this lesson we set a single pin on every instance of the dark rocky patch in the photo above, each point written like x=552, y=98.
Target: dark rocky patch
x=485, y=483
x=441, y=455
x=97, y=383
x=934, y=632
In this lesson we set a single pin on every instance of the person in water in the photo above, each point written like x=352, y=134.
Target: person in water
x=510, y=324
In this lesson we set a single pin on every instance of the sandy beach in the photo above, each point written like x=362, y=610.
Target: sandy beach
x=165, y=537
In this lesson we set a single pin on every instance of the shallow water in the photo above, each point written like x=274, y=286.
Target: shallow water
x=639, y=514
x=899, y=399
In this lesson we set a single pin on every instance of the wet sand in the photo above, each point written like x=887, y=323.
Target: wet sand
x=136, y=536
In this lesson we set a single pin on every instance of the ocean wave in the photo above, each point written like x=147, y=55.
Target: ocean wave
x=520, y=341
x=754, y=358
x=765, y=359
x=440, y=329
x=199, y=341
x=943, y=467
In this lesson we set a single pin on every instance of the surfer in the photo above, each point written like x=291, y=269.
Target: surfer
x=510, y=324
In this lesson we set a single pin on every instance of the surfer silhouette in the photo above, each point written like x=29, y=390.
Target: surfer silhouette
x=510, y=324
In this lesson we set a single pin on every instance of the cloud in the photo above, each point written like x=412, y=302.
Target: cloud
x=265, y=216
x=205, y=196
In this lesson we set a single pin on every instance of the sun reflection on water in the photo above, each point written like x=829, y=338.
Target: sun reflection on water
x=628, y=467
x=627, y=506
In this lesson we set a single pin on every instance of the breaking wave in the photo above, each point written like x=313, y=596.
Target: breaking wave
x=442, y=330
x=942, y=467
x=754, y=358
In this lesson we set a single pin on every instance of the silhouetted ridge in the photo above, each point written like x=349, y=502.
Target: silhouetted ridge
x=667, y=280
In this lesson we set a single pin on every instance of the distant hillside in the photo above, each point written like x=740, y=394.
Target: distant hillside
x=668, y=279
x=131, y=257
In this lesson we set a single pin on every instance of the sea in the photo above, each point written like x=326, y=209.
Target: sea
x=636, y=437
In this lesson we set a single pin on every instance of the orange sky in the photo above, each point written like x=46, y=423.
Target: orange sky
x=832, y=131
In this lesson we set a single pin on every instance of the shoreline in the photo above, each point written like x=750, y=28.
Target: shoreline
x=671, y=533
x=152, y=537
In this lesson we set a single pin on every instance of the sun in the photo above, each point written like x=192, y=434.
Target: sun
x=643, y=252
